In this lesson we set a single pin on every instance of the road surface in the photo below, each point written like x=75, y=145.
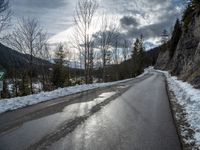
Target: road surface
x=133, y=115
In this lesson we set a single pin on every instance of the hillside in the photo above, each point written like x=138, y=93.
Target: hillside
x=184, y=62
x=11, y=59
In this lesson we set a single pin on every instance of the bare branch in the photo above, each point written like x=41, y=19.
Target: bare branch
x=83, y=20
x=5, y=14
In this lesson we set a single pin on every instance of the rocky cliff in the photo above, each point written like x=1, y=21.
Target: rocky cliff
x=185, y=61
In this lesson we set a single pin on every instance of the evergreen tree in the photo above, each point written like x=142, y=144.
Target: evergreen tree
x=138, y=56
x=5, y=93
x=193, y=8
x=195, y=5
x=176, y=35
x=59, y=72
x=136, y=48
x=187, y=15
x=141, y=54
x=24, y=87
x=109, y=57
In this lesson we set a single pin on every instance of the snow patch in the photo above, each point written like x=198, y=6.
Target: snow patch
x=189, y=98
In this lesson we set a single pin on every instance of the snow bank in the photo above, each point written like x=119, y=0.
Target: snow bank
x=189, y=98
x=19, y=102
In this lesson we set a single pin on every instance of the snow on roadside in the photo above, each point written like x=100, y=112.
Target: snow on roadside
x=189, y=98
x=19, y=102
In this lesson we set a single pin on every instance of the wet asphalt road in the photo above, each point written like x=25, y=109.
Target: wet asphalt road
x=134, y=115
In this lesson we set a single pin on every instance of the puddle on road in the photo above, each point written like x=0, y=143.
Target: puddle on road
x=32, y=131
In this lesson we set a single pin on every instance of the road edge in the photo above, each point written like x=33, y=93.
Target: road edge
x=171, y=96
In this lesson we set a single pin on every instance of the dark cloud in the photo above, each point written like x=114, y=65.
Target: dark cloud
x=149, y=31
x=130, y=26
x=157, y=14
x=50, y=4
x=129, y=21
x=111, y=36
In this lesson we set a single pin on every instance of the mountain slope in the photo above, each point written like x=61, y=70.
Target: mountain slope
x=185, y=62
x=11, y=59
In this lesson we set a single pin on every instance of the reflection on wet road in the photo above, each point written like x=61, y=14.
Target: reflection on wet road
x=140, y=119
x=130, y=116
x=36, y=129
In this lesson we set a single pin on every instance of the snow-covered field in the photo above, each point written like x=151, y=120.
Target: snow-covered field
x=189, y=98
x=19, y=102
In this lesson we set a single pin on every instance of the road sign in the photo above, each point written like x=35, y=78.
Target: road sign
x=1, y=86
x=1, y=76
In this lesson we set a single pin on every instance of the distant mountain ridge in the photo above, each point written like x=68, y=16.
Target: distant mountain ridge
x=11, y=59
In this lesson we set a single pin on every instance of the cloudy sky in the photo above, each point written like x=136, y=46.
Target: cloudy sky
x=147, y=17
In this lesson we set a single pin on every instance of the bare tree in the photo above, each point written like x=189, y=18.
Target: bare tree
x=27, y=37
x=5, y=14
x=116, y=53
x=44, y=54
x=105, y=39
x=116, y=57
x=74, y=55
x=126, y=49
x=68, y=59
x=83, y=20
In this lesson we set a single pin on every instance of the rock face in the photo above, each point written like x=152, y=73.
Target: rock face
x=185, y=62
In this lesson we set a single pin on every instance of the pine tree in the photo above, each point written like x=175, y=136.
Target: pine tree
x=195, y=4
x=138, y=55
x=59, y=72
x=5, y=93
x=24, y=87
x=141, y=54
x=176, y=35
x=192, y=9
x=136, y=48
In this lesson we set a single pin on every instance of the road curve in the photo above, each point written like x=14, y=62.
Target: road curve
x=137, y=118
x=140, y=119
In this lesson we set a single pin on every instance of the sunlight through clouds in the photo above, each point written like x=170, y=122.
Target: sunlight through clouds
x=57, y=16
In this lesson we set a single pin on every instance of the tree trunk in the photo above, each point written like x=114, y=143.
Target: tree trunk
x=31, y=73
